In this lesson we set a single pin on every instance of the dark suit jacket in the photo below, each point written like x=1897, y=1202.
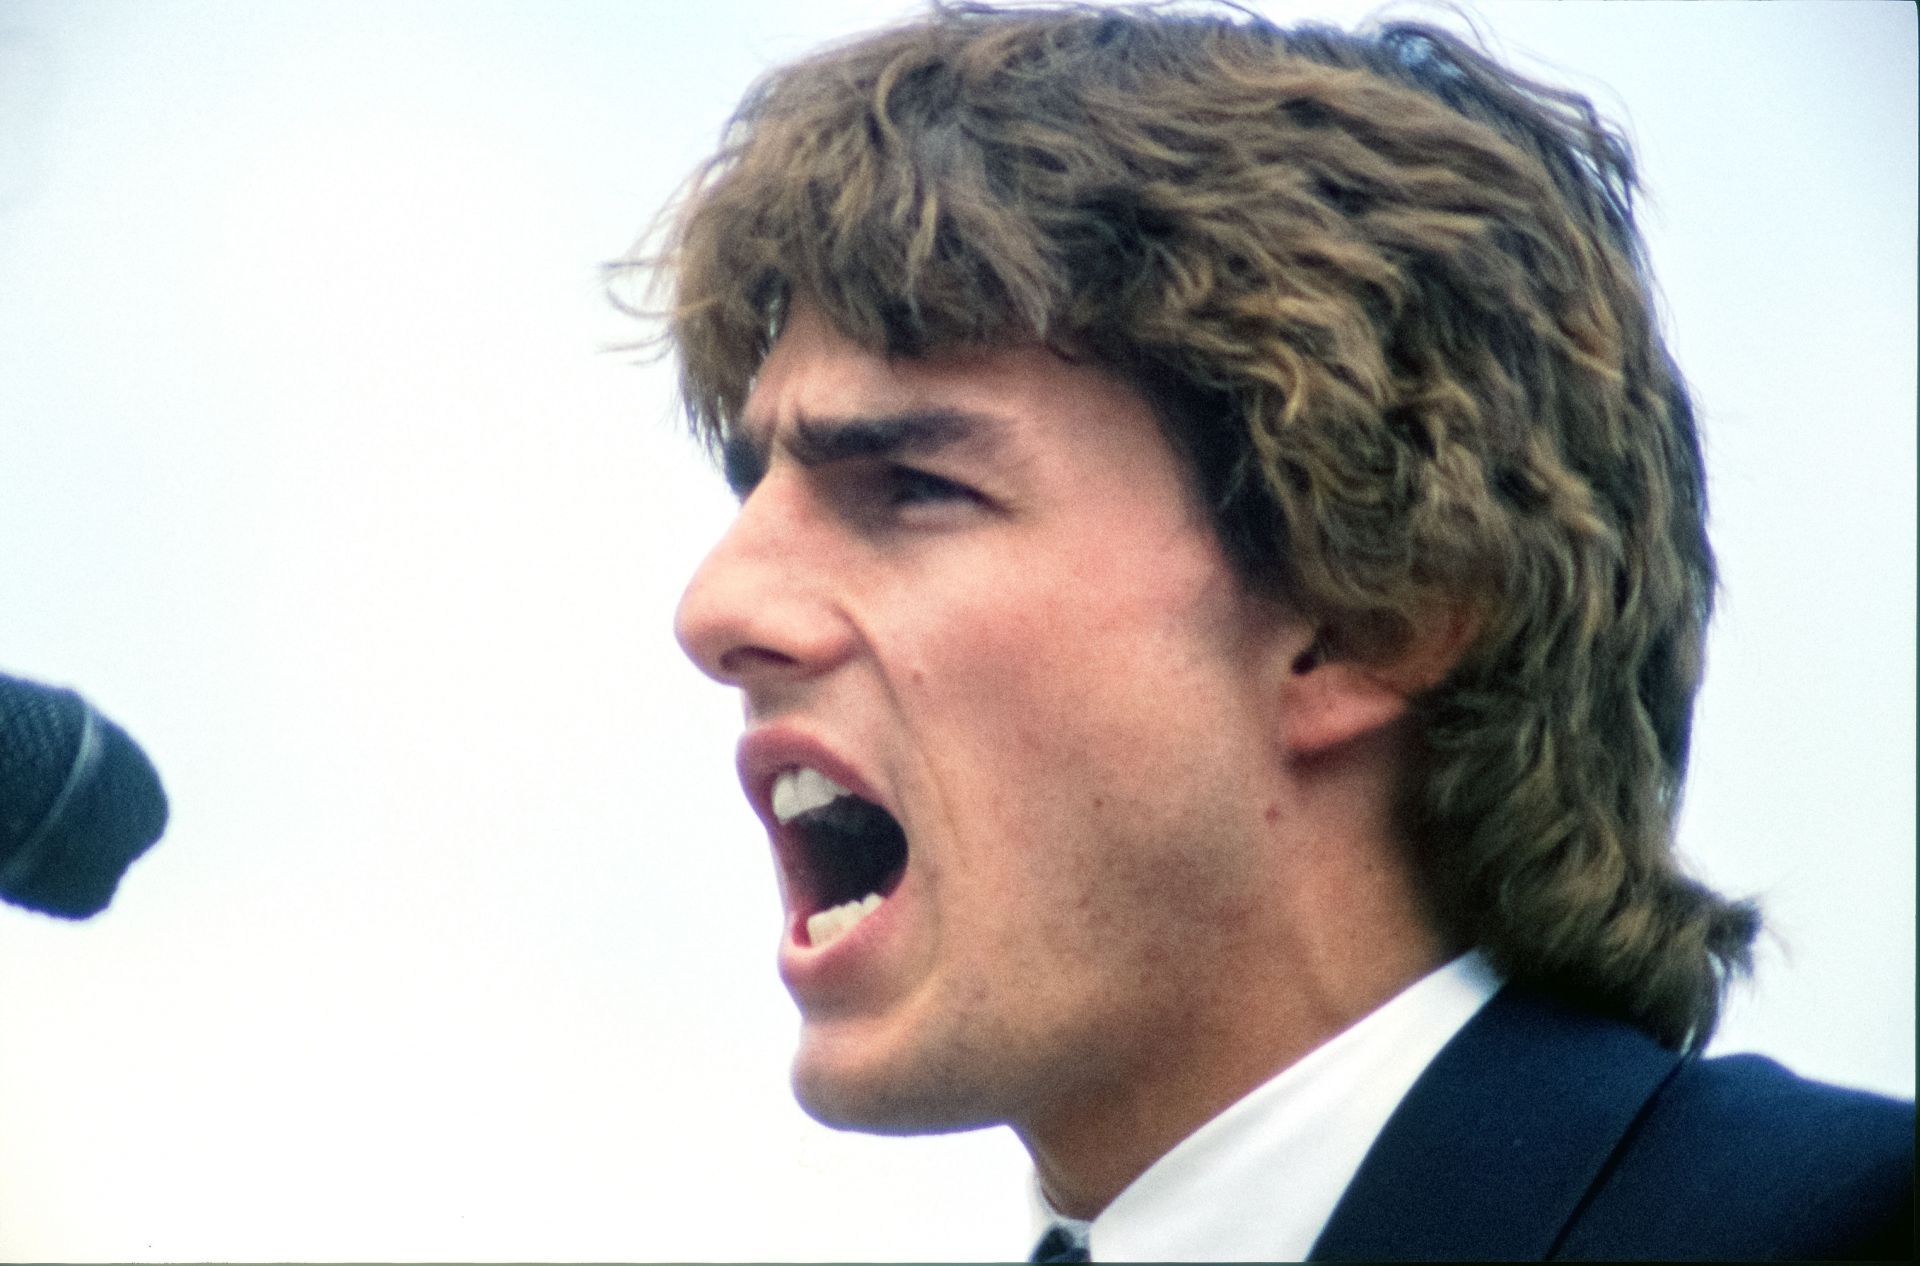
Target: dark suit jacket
x=1544, y=1132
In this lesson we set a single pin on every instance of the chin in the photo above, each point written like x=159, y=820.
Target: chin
x=875, y=1098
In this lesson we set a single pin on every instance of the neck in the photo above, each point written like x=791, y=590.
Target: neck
x=1114, y=1130
x=1344, y=929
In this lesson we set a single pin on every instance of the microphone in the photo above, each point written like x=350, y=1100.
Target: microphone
x=79, y=801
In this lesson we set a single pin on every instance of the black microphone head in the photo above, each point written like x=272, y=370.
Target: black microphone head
x=79, y=801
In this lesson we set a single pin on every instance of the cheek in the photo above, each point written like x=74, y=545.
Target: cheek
x=1079, y=748
x=1063, y=689
x=1126, y=639
x=1018, y=679
x=976, y=633
x=999, y=714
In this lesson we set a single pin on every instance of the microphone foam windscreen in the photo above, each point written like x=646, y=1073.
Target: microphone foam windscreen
x=79, y=801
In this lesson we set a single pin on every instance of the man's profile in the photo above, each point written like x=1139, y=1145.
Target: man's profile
x=1218, y=596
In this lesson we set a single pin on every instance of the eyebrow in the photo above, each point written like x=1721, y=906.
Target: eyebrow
x=821, y=441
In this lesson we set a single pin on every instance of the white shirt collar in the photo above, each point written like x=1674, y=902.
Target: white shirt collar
x=1259, y=1181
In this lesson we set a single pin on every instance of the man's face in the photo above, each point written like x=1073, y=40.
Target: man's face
x=976, y=590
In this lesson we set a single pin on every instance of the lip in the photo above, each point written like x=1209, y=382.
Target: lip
x=765, y=752
x=849, y=972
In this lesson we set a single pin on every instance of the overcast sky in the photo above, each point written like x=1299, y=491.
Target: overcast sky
x=314, y=474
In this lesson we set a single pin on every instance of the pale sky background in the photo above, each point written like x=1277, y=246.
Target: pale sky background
x=461, y=943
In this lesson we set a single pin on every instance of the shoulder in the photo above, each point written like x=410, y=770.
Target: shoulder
x=1738, y=1157
x=1544, y=1131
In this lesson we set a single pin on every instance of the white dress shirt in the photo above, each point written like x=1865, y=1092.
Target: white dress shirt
x=1258, y=1182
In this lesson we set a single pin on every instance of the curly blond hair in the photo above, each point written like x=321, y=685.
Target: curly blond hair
x=1390, y=301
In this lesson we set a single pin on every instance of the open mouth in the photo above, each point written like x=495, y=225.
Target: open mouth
x=847, y=854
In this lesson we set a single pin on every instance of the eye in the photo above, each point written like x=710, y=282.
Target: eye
x=907, y=486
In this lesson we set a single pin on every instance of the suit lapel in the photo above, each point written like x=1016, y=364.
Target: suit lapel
x=1491, y=1153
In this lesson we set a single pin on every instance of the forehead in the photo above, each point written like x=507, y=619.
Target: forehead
x=1025, y=398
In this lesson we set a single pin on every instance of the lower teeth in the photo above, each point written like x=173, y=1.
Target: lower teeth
x=830, y=925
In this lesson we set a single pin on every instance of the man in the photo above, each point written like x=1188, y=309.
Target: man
x=1218, y=596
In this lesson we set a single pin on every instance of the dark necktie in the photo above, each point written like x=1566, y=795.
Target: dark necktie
x=1058, y=1246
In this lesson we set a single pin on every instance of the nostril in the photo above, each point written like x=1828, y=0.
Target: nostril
x=702, y=638
x=751, y=614
x=739, y=637
x=744, y=661
x=714, y=620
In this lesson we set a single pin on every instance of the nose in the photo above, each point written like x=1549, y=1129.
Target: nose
x=759, y=609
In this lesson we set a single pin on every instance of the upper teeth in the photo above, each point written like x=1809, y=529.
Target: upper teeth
x=801, y=791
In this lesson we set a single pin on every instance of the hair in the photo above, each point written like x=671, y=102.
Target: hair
x=1392, y=306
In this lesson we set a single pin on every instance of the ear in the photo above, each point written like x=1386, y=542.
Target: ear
x=1331, y=697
